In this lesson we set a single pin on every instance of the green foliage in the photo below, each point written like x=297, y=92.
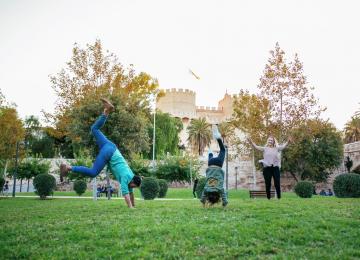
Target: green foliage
x=352, y=130
x=163, y=185
x=2, y=182
x=199, y=134
x=347, y=185
x=304, y=189
x=44, y=185
x=80, y=187
x=316, y=151
x=200, y=187
x=149, y=188
x=93, y=73
x=177, y=168
x=140, y=166
x=167, y=134
x=82, y=158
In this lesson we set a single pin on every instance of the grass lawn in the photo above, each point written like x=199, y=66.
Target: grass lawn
x=294, y=228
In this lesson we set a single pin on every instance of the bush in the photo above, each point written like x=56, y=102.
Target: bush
x=347, y=185
x=44, y=185
x=2, y=182
x=149, y=188
x=304, y=189
x=163, y=185
x=200, y=187
x=80, y=187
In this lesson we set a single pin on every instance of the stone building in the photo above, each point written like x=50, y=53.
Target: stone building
x=180, y=103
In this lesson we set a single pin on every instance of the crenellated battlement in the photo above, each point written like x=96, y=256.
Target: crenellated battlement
x=209, y=109
x=179, y=90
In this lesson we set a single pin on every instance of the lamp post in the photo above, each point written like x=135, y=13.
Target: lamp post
x=16, y=168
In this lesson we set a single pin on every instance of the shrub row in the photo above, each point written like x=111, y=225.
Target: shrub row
x=151, y=188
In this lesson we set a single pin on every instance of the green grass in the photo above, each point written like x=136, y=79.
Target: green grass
x=291, y=228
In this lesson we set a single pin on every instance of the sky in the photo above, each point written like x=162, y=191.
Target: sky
x=226, y=43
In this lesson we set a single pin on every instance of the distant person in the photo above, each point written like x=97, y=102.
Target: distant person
x=6, y=188
x=214, y=186
x=108, y=154
x=195, y=186
x=322, y=192
x=330, y=193
x=271, y=163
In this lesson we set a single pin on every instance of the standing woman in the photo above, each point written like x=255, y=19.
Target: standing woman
x=271, y=163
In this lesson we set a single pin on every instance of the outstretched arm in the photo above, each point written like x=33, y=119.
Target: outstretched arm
x=128, y=201
x=224, y=198
x=260, y=148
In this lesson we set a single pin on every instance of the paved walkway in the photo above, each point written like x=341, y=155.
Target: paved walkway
x=81, y=197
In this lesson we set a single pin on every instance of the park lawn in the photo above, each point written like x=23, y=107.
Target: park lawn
x=315, y=228
x=173, y=193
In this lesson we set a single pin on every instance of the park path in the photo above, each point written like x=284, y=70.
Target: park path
x=88, y=197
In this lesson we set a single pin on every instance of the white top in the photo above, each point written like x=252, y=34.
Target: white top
x=272, y=155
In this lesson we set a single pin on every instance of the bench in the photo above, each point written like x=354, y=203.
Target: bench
x=260, y=194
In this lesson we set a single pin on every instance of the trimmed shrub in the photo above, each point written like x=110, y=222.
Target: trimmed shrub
x=304, y=189
x=163, y=188
x=200, y=187
x=80, y=187
x=2, y=182
x=44, y=185
x=347, y=185
x=149, y=188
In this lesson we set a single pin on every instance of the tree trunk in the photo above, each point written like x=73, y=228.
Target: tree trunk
x=20, y=184
x=294, y=176
x=28, y=185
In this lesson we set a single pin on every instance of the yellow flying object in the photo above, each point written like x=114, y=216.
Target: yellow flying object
x=196, y=76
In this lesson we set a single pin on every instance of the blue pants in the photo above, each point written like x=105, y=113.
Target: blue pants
x=107, y=149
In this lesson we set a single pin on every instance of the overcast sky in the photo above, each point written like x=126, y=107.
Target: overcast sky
x=226, y=43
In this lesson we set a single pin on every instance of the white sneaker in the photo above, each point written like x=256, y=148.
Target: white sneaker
x=216, y=133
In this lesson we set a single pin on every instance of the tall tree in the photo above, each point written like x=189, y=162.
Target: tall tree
x=89, y=75
x=285, y=86
x=199, y=134
x=352, y=130
x=316, y=152
x=167, y=134
x=32, y=131
x=252, y=117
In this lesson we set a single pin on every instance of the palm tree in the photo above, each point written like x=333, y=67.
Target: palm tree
x=227, y=131
x=199, y=134
x=352, y=130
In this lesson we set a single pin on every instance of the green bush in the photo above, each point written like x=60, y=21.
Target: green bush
x=44, y=185
x=200, y=187
x=347, y=185
x=304, y=189
x=163, y=188
x=80, y=187
x=149, y=188
x=2, y=182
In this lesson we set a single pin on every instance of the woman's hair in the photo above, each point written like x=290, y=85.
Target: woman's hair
x=213, y=197
x=276, y=144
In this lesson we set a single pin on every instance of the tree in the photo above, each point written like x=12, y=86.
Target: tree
x=12, y=131
x=91, y=74
x=352, y=130
x=316, y=151
x=252, y=117
x=285, y=86
x=167, y=134
x=31, y=167
x=199, y=134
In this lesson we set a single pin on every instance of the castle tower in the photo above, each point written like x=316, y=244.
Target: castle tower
x=178, y=103
x=226, y=105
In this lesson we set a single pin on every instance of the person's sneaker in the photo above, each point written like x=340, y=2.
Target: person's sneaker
x=107, y=104
x=215, y=132
x=63, y=171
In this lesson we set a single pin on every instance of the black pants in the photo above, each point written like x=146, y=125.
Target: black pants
x=272, y=172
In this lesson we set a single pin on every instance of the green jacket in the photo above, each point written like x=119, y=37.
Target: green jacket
x=215, y=183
